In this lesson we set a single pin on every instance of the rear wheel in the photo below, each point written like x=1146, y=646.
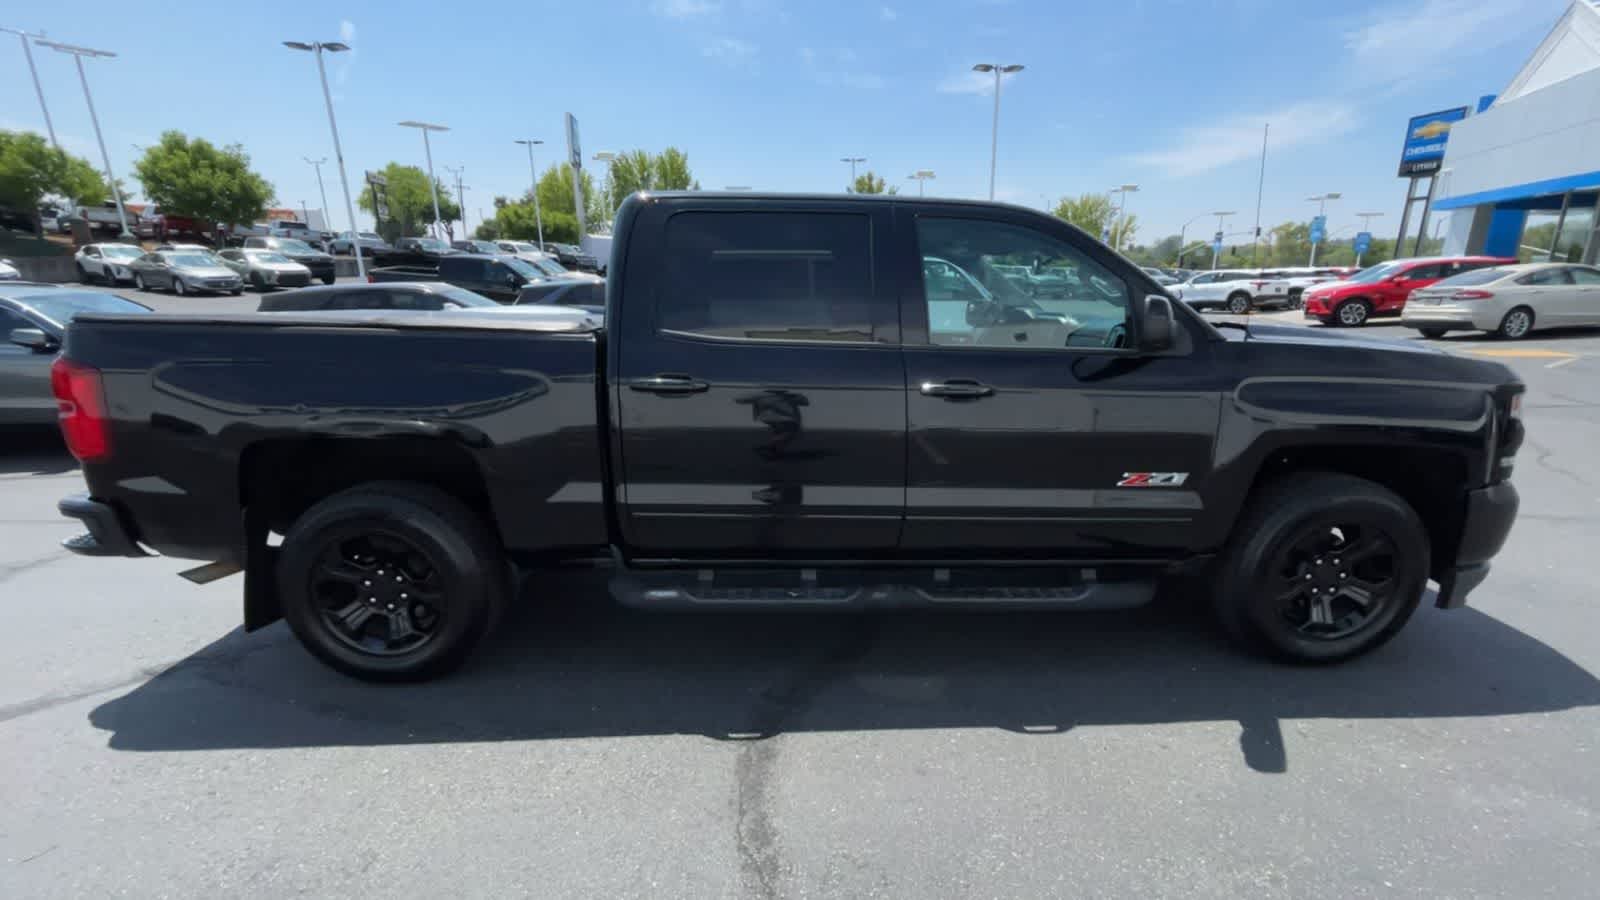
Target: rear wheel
x=391, y=581
x=1296, y=299
x=178, y=287
x=257, y=282
x=1239, y=303
x=1516, y=324
x=1353, y=313
x=138, y=282
x=1326, y=567
x=1433, y=333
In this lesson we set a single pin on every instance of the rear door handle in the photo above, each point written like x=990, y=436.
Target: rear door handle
x=668, y=384
x=956, y=389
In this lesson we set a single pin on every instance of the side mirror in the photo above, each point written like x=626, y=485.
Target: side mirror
x=1158, y=325
x=1396, y=279
x=34, y=339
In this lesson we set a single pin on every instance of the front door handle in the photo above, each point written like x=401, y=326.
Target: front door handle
x=668, y=384
x=956, y=389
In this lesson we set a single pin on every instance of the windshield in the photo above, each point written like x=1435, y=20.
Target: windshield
x=60, y=308
x=549, y=266
x=1476, y=276
x=291, y=245
x=121, y=251
x=191, y=260
x=433, y=244
x=267, y=256
x=521, y=267
x=369, y=236
x=1374, y=273
x=463, y=297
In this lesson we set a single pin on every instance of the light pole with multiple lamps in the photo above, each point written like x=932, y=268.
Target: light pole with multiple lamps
x=77, y=54
x=27, y=53
x=1366, y=225
x=427, y=150
x=538, y=219
x=921, y=177
x=1216, y=241
x=461, y=197
x=607, y=156
x=321, y=192
x=994, y=133
x=1322, y=207
x=1120, y=217
x=852, y=160
x=316, y=49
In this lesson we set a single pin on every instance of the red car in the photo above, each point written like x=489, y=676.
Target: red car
x=1381, y=290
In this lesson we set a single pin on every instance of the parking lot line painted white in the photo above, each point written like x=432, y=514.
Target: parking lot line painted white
x=1561, y=362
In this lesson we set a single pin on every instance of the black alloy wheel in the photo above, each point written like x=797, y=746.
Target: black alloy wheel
x=1334, y=579
x=378, y=593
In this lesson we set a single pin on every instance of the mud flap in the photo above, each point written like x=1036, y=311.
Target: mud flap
x=261, y=606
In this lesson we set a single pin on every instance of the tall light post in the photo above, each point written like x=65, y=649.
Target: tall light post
x=427, y=150
x=1181, y=232
x=607, y=156
x=994, y=133
x=1366, y=225
x=921, y=177
x=533, y=173
x=1121, y=214
x=1216, y=240
x=316, y=48
x=27, y=53
x=852, y=160
x=317, y=164
x=77, y=54
x=1321, y=200
x=461, y=197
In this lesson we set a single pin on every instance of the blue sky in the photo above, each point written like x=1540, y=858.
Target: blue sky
x=771, y=93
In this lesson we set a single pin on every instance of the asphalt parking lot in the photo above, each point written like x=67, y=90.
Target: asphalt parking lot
x=156, y=749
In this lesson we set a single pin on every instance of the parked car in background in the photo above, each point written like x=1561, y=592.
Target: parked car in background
x=1381, y=290
x=389, y=295
x=108, y=262
x=105, y=217
x=417, y=251
x=198, y=248
x=33, y=318
x=499, y=277
x=371, y=243
x=1237, y=291
x=9, y=272
x=573, y=257
x=185, y=272
x=238, y=234
x=1300, y=278
x=586, y=293
x=1160, y=276
x=321, y=264
x=50, y=220
x=544, y=262
x=475, y=246
x=1510, y=301
x=265, y=269
x=300, y=231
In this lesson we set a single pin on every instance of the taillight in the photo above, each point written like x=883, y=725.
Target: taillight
x=372, y=279
x=81, y=405
x=1464, y=294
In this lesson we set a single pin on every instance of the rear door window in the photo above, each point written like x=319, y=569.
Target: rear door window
x=1585, y=276
x=1546, y=276
x=771, y=276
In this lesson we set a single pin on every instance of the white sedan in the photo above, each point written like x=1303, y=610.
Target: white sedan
x=1509, y=301
x=107, y=262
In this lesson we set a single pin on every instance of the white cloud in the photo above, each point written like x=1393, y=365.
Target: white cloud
x=347, y=30
x=729, y=50
x=1203, y=148
x=1411, y=39
x=970, y=82
x=887, y=14
x=838, y=67
x=684, y=9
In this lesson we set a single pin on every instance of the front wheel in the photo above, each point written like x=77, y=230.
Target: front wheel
x=1433, y=333
x=329, y=279
x=138, y=283
x=1516, y=325
x=1353, y=313
x=83, y=275
x=1325, y=567
x=1239, y=304
x=391, y=581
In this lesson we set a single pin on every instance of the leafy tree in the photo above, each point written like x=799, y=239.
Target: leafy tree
x=515, y=220
x=198, y=180
x=640, y=170
x=30, y=170
x=487, y=231
x=410, y=202
x=869, y=183
x=1095, y=213
x=672, y=171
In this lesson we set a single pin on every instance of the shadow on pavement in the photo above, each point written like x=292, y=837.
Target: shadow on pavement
x=567, y=670
x=33, y=451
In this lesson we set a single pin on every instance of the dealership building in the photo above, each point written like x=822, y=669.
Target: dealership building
x=1522, y=175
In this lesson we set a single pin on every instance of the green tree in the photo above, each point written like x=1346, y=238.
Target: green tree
x=1096, y=214
x=410, y=202
x=672, y=171
x=30, y=170
x=1291, y=245
x=487, y=231
x=516, y=221
x=869, y=183
x=640, y=170
x=197, y=179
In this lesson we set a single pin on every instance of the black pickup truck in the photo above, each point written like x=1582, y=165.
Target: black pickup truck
x=498, y=276
x=824, y=402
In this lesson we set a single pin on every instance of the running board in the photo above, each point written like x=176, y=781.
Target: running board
x=940, y=588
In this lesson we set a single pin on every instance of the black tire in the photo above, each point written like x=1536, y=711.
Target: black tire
x=1296, y=299
x=237, y=291
x=463, y=558
x=178, y=287
x=83, y=275
x=258, y=283
x=1353, y=313
x=1434, y=333
x=329, y=279
x=138, y=282
x=1238, y=303
x=1254, y=602
x=1517, y=324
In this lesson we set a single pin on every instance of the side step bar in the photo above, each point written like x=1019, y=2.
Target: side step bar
x=847, y=591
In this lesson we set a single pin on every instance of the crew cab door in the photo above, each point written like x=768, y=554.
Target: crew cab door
x=1035, y=426
x=758, y=395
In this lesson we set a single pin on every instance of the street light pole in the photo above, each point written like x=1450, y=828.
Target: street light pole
x=461, y=197
x=852, y=160
x=994, y=132
x=1181, y=231
x=606, y=156
x=317, y=164
x=1366, y=225
x=1216, y=243
x=533, y=173
x=427, y=150
x=77, y=54
x=1322, y=208
x=921, y=177
x=316, y=48
x=1122, y=208
x=27, y=53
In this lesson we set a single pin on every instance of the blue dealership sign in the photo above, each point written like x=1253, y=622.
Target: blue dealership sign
x=1425, y=140
x=1319, y=229
x=1363, y=241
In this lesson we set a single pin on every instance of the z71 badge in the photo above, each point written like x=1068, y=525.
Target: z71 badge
x=1152, y=479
